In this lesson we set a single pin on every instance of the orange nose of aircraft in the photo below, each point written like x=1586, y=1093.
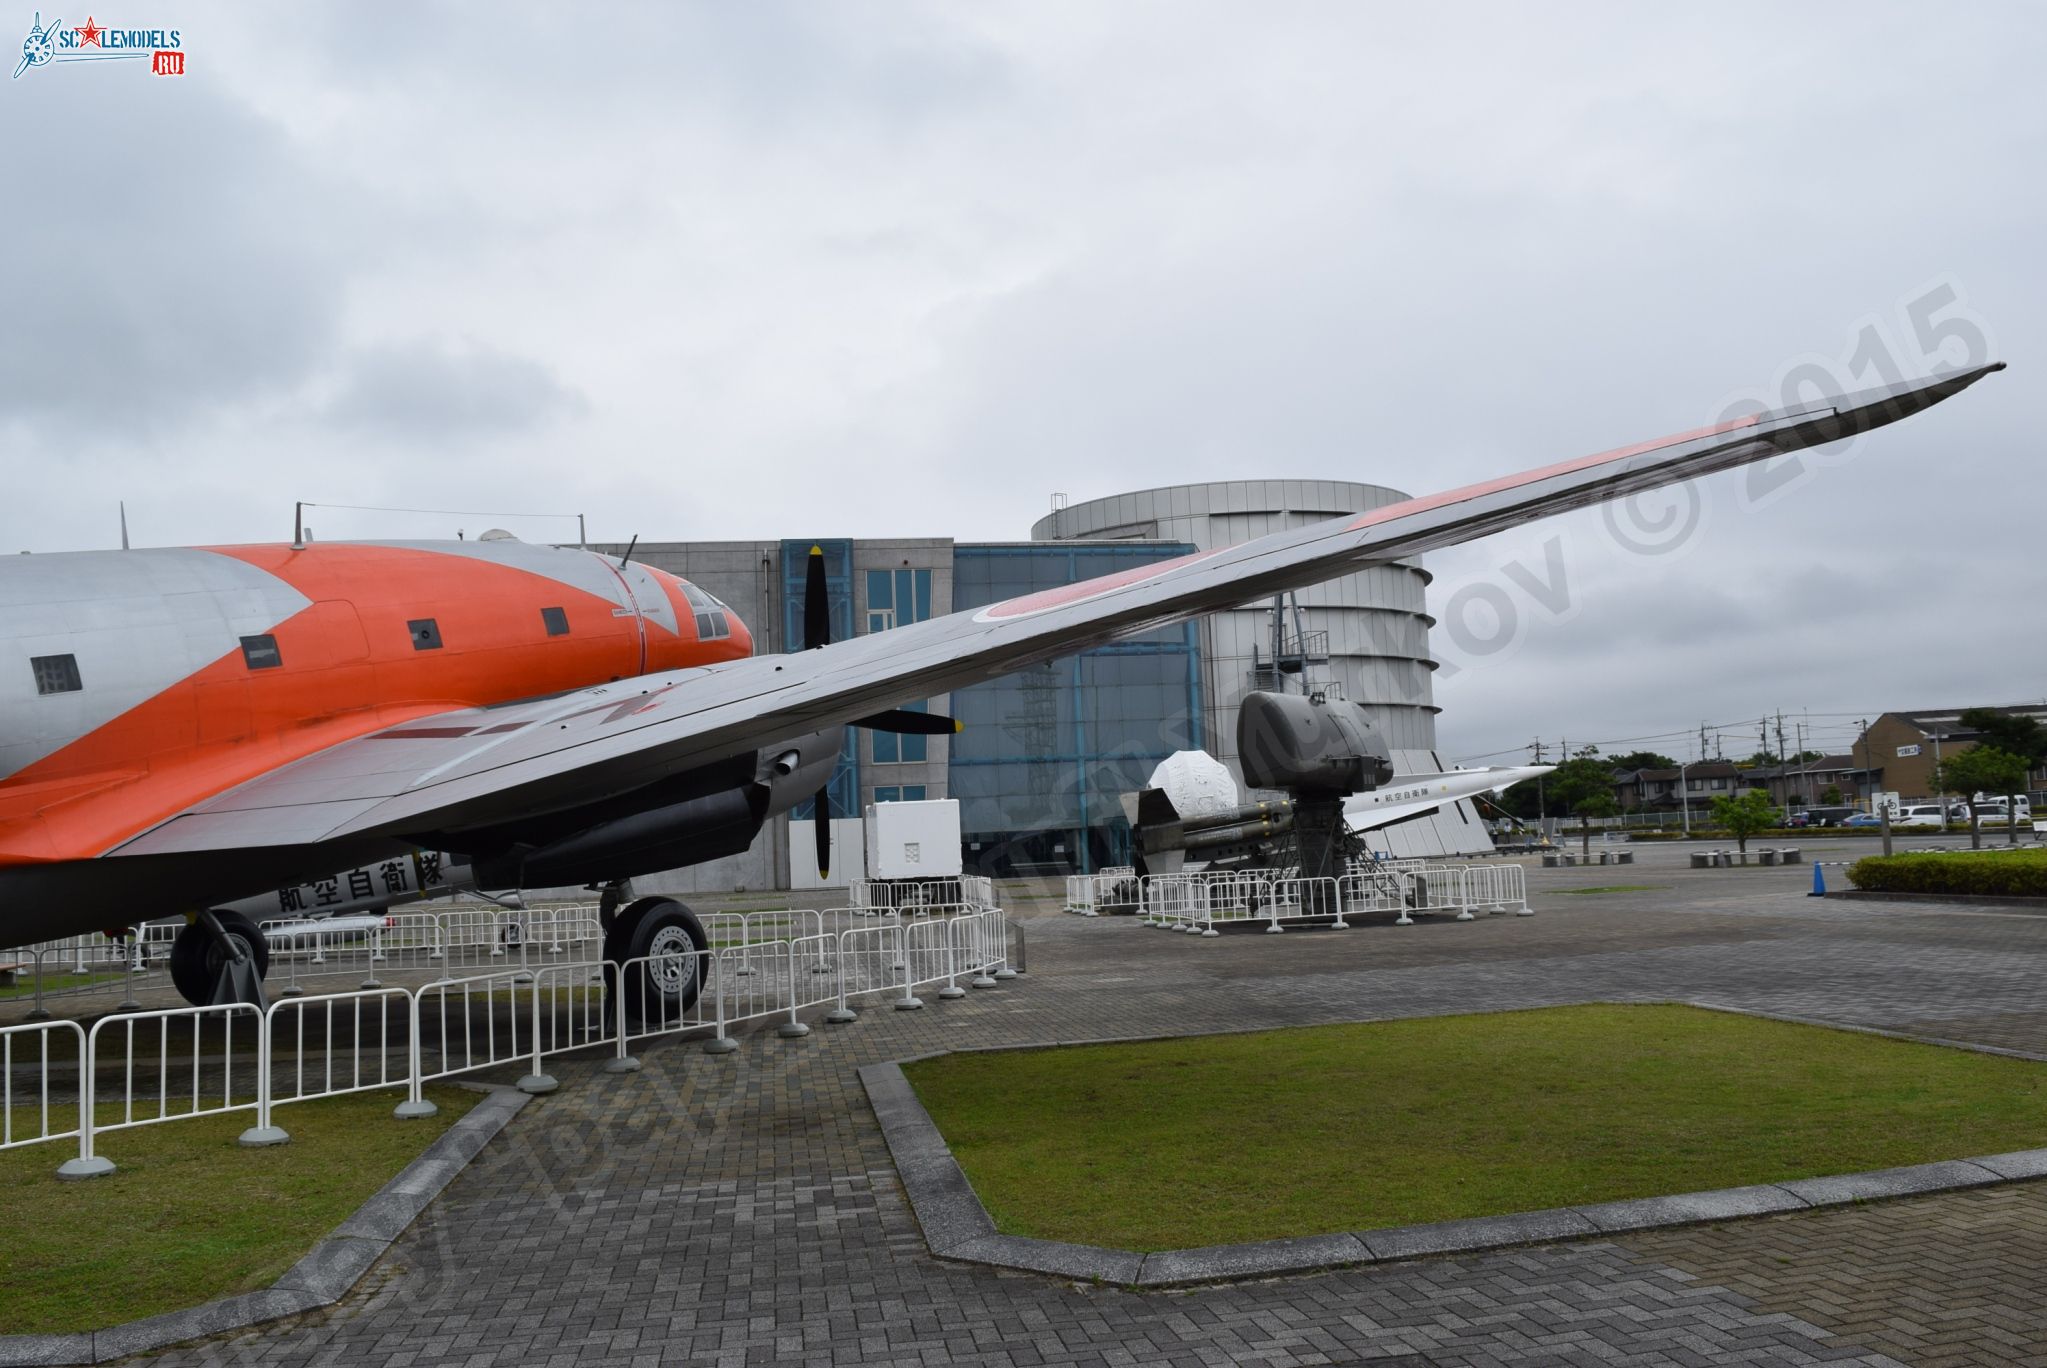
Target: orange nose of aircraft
x=710, y=632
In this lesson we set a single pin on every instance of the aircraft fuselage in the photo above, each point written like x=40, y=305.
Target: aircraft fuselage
x=142, y=681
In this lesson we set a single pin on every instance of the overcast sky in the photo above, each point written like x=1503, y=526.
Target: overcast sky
x=753, y=270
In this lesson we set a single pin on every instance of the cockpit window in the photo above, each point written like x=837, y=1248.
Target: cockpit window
x=712, y=624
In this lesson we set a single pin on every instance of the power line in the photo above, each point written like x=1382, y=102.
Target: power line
x=438, y=512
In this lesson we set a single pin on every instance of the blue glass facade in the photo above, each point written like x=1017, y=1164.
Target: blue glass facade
x=1048, y=753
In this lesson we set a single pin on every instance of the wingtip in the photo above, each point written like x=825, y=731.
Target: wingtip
x=816, y=550
x=958, y=726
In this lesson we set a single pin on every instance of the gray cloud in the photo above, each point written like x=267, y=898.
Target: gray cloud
x=425, y=391
x=168, y=251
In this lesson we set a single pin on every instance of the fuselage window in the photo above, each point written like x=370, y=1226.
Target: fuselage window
x=56, y=674
x=709, y=613
x=260, y=653
x=556, y=621
x=426, y=634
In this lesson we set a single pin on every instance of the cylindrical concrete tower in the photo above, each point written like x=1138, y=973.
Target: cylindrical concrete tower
x=1367, y=633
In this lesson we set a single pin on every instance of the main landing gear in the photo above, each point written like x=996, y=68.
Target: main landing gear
x=220, y=958
x=659, y=944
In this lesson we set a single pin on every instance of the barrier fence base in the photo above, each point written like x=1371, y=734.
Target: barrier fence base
x=981, y=981
x=536, y=1084
x=792, y=1030
x=909, y=1004
x=256, y=1137
x=1005, y=974
x=409, y=1110
x=291, y=990
x=840, y=1016
x=96, y=1167
x=618, y=1064
x=37, y=1014
x=951, y=991
x=720, y=1045
x=1524, y=911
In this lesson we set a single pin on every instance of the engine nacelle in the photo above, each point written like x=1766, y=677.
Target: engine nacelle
x=713, y=813
x=1310, y=744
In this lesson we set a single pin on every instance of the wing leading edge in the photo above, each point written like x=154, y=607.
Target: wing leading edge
x=477, y=766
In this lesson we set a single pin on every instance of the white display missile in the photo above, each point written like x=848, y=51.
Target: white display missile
x=1414, y=795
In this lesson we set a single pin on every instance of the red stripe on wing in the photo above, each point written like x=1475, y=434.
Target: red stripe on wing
x=1086, y=589
x=1451, y=496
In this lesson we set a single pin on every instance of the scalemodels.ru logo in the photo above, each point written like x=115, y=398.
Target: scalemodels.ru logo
x=96, y=42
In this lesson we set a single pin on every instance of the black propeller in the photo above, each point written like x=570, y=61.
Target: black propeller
x=817, y=631
x=821, y=830
x=903, y=722
x=817, y=609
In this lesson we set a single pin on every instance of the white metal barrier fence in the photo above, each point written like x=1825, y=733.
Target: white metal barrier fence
x=40, y=1048
x=922, y=897
x=1201, y=902
x=443, y=943
x=61, y=1081
x=302, y=950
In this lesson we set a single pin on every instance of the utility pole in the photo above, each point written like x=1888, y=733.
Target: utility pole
x=1783, y=761
x=1684, y=796
x=1804, y=765
x=1541, y=812
x=1882, y=810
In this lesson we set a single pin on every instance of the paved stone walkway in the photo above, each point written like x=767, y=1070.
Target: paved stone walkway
x=742, y=1209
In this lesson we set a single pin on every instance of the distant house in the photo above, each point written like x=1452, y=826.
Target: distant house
x=1899, y=751
x=1800, y=783
x=1670, y=790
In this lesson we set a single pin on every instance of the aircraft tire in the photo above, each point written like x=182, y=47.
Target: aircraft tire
x=656, y=926
x=196, y=961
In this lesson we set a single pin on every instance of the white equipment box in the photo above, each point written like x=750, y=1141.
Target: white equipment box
x=914, y=840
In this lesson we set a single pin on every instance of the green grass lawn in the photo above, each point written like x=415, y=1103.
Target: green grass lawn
x=1220, y=1139
x=190, y=1215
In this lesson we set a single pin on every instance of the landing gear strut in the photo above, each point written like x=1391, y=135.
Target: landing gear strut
x=220, y=958
x=611, y=897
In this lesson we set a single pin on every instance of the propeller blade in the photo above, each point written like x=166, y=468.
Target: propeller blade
x=817, y=609
x=903, y=722
x=821, y=828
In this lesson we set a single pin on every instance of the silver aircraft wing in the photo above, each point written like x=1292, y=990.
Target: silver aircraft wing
x=477, y=766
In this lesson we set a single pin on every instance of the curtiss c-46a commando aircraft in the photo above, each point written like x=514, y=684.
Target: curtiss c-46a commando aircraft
x=181, y=728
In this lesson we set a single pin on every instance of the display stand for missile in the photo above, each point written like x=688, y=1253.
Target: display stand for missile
x=1316, y=751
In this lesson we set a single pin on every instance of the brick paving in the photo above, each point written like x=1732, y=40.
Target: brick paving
x=742, y=1209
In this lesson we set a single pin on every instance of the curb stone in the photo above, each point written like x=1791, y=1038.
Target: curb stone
x=957, y=1226
x=326, y=1273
